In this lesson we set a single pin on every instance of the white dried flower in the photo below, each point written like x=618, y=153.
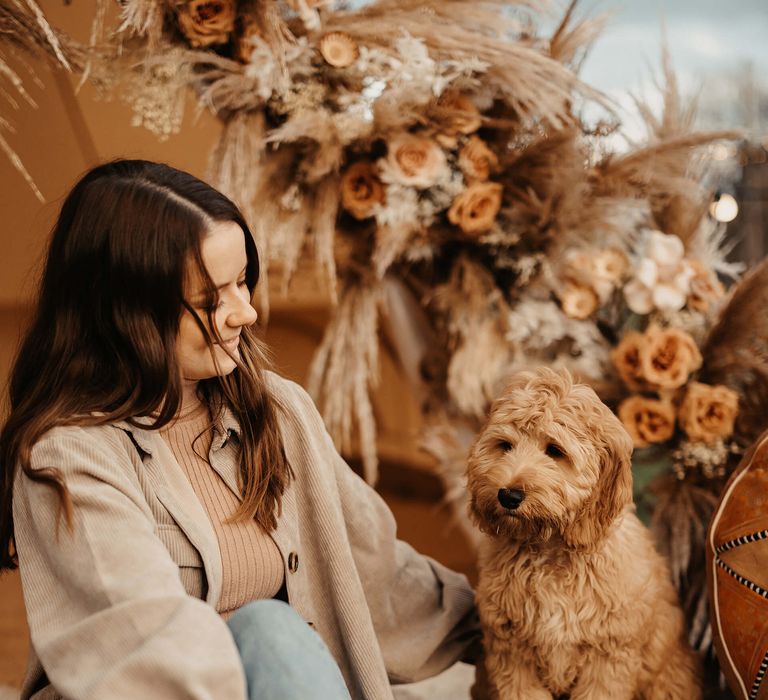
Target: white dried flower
x=157, y=96
x=711, y=459
x=401, y=207
x=662, y=276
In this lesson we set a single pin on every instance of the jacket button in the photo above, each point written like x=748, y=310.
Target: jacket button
x=293, y=562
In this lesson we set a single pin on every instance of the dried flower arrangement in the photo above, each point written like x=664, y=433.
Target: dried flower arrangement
x=431, y=156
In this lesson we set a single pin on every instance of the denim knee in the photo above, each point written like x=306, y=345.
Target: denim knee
x=260, y=618
x=283, y=657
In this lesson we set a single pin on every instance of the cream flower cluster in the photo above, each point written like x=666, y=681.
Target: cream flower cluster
x=662, y=278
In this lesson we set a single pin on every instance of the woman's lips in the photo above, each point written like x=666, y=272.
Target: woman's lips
x=232, y=343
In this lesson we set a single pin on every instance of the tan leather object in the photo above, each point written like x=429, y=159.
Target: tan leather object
x=737, y=576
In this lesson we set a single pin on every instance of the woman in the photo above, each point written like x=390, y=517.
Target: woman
x=156, y=479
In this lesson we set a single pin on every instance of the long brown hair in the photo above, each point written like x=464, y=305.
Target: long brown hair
x=101, y=345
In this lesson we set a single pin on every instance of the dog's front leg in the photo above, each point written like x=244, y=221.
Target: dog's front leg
x=510, y=671
x=608, y=676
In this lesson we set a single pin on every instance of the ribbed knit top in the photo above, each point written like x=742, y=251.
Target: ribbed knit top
x=252, y=566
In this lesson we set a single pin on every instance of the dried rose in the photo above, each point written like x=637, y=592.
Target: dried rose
x=578, y=301
x=626, y=359
x=415, y=161
x=361, y=189
x=668, y=356
x=206, y=22
x=462, y=115
x=708, y=412
x=610, y=264
x=648, y=421
x=339, y=49
x=475, y=209
x=704, y=289
x=476, y=160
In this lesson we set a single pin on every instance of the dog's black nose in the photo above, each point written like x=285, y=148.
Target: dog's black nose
x=511, y=498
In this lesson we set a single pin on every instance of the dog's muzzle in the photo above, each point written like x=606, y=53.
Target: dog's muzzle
x=511, y=498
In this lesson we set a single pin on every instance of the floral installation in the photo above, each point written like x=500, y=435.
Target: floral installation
x=433, y=158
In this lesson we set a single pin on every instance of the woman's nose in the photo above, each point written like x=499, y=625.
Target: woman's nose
x=243, y=315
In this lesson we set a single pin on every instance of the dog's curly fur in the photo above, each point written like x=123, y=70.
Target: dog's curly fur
x=573, y=597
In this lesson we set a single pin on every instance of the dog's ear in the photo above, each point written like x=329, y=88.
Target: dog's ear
x=614, y=485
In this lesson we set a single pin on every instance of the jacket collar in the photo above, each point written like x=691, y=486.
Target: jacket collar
x=144, y=436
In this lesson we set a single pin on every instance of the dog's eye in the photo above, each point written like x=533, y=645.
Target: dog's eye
x=505, y=445
x=554, y=451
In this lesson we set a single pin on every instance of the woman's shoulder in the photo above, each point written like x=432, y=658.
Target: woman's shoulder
x=282, y=387
x=291, y=396
x=69, y=447
x=299, y=416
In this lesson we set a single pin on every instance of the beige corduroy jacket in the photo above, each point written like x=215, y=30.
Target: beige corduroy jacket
x=123, y=606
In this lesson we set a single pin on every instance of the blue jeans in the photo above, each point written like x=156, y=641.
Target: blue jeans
x=283, y=657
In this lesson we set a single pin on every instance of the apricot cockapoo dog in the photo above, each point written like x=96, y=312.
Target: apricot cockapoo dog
x=573, y=597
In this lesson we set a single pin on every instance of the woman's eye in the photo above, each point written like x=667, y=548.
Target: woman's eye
x=554, y=451
x=505, y=445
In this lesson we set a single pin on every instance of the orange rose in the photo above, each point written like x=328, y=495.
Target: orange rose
x=668, y=356
x=476, y=160
x=415, y=160
x=206, y=22
x=626, y=359
x=361, y=189
x=648, y=421
x=704, y=288
x=475, y=209
x=578, y=301
x=708, y=412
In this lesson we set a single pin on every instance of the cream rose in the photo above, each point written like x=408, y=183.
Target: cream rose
x=708, y=412
x=578, y=301
x=610, y=264
x=361, y=189
x=668, y=356
x=207, y=22
x=476, y=160
x=475, y=209
x=648, y=421
x=415, y=161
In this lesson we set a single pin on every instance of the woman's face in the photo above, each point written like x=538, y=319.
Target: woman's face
x=224, y=257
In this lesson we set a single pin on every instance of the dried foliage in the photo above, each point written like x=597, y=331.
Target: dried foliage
x=24, y=33
x=736, y=353
x=345, y=369
x=681, y=516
